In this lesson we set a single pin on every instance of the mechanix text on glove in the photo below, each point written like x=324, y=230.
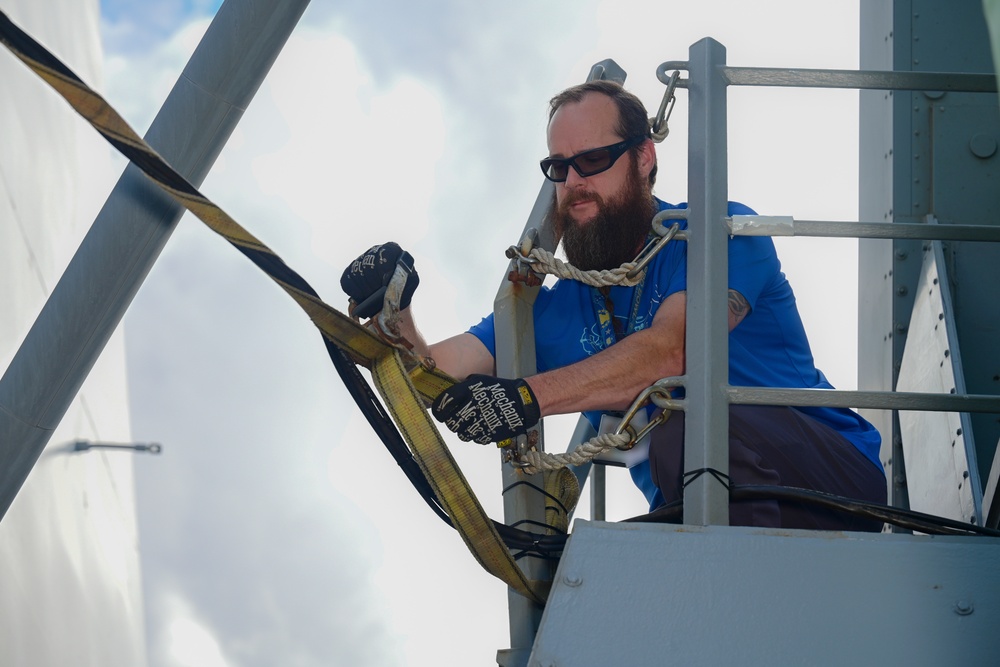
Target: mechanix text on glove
x=487, y=409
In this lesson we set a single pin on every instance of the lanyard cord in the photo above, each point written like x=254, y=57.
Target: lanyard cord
x=604, y=310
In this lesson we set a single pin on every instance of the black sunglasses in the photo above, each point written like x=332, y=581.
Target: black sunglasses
x=587, y=163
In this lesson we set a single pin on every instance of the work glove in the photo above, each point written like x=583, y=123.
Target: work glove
x=485, y=409
x=366, y=279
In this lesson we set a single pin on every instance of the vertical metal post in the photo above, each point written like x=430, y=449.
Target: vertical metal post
x=97, y=287
x=514, y=329
x=706, y=425
x=598, y=493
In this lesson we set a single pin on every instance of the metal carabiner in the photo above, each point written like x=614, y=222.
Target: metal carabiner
x=649, y=252
x=625, y=425
x=658, y=124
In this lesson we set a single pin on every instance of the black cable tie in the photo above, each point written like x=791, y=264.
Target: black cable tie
x=721, y=477
x=540, y=490
x=533, y=554
x=537, y=523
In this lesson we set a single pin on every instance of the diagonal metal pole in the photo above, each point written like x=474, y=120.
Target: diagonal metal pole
x=514, y=330
x=114, y=258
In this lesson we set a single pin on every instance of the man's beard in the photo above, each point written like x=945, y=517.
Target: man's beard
x=617, y=232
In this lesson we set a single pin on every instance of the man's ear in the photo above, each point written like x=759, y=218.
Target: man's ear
x=647, y=158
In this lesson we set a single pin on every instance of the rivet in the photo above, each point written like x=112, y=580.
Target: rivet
x=572, y=580
x=964, y=607
x=983, y=145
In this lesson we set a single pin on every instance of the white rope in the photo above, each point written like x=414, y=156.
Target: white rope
x=546, y=262
x=588, y=451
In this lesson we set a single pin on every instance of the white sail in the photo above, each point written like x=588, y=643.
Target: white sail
x=70, y=586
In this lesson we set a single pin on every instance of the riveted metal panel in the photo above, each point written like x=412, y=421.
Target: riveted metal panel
x=922, y=154
x=719, y=595
x=942, y=476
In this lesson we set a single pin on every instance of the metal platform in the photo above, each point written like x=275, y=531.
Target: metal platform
x=631, y=594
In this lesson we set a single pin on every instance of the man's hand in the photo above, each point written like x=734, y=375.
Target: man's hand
x=487, y=409
x=365, y=280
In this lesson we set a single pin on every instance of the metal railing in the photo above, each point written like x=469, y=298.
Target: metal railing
x=708, y=393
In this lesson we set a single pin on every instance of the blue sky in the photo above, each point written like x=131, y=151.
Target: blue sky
x=132, y=26
x=274, y=528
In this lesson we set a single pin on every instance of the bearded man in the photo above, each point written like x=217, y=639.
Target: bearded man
x=598, y=348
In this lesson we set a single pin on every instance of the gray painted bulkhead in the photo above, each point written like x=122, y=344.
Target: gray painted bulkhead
x=928, y=155
x=654, y=595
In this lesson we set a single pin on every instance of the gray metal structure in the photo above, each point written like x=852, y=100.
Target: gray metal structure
x=929, y=152
x=654, y=595
x=97, y=287
x=515, y=357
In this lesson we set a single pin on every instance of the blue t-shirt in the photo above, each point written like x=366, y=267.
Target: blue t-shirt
x=769, y=348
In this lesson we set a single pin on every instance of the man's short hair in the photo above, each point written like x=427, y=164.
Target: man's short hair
x=633, y=120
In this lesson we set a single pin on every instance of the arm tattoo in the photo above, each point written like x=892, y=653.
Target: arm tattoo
x=738, y=308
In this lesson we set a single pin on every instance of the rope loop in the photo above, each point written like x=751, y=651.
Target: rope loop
x=624, y=437
x=629, y=274
x=536, y=461
x=546, y=262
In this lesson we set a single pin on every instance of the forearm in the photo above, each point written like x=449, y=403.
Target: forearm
x=611, y=379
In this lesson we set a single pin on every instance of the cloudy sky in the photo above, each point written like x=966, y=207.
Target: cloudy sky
x=275, y=529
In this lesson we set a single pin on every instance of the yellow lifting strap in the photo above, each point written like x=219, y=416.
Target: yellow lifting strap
x=403, y=392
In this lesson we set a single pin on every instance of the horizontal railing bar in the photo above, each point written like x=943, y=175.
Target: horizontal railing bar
x=958, y=82
x=861, y=79
x=877, y=400
x=786, y=226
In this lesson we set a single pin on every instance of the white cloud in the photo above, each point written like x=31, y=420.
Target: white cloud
x=186, y=641
x=192, y=646
x=363, y=158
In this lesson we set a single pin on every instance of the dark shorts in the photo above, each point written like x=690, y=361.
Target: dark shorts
x=777, y=446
